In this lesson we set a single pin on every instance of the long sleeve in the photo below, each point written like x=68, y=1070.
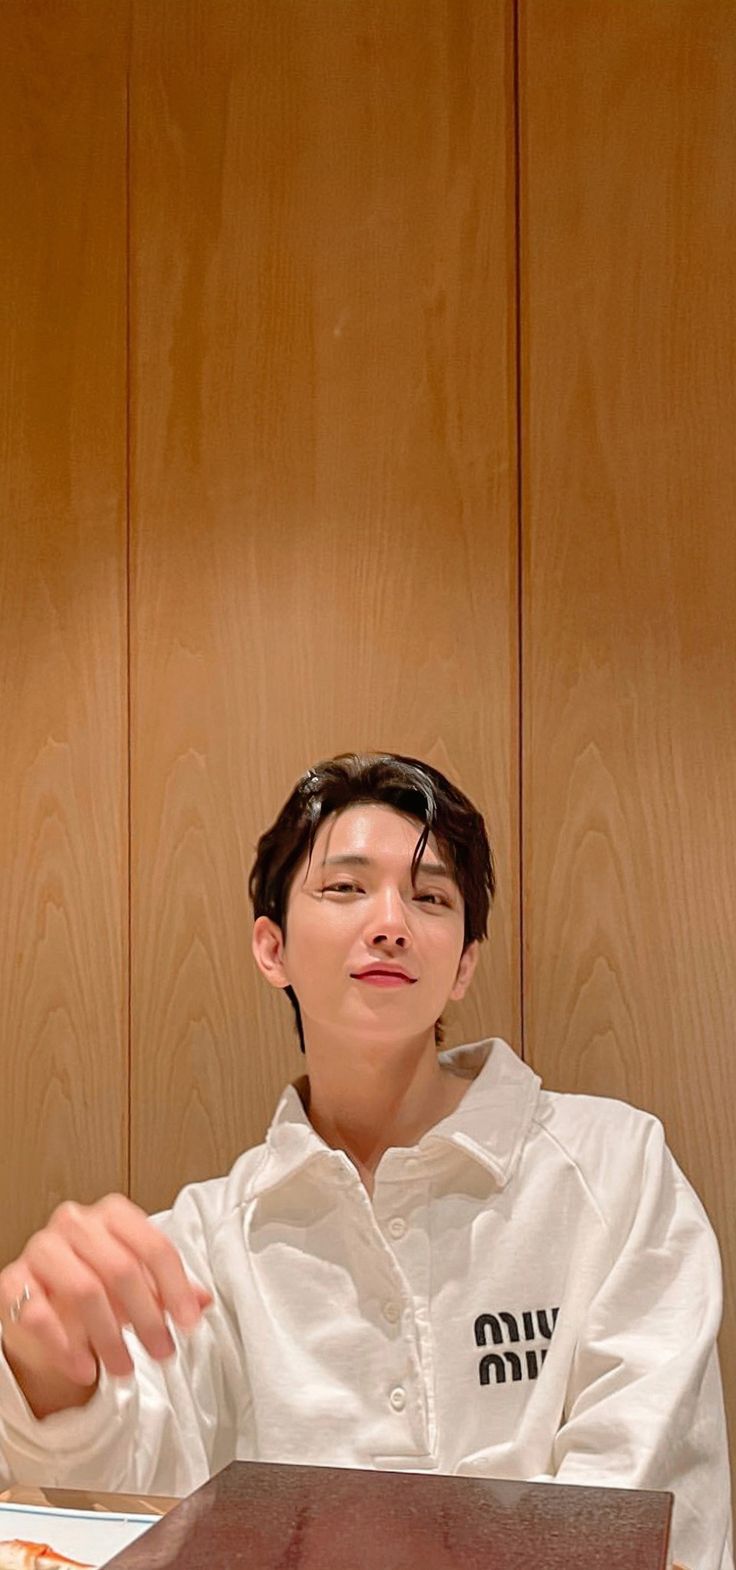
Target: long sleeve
x=644, y=1406
x=167, y=1426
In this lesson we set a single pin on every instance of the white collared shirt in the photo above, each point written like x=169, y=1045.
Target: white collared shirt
x=534, y=1291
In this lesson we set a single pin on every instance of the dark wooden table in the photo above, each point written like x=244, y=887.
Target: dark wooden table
x=257, y=1516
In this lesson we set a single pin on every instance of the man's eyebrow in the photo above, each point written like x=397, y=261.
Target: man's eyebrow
x=437, y=869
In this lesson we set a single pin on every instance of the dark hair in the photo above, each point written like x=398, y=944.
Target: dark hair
x=411, y=787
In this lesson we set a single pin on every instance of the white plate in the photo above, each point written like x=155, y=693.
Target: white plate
x=91, y=1535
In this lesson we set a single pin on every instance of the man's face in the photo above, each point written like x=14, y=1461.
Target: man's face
x=355, y=907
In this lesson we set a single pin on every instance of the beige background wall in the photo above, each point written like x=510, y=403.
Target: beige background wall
x=367, y=380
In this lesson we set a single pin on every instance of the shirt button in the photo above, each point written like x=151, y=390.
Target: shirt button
x=397, y=1226
x=398, y=1399
x=391, y=1312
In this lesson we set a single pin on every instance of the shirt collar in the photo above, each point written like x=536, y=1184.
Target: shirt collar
x=489, y=1125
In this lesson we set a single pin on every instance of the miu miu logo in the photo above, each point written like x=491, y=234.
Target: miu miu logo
x=500, y=1328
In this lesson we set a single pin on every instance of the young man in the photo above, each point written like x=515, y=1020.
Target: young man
x=430, y=1264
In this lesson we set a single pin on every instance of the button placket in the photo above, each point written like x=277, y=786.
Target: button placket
x=400, y=1216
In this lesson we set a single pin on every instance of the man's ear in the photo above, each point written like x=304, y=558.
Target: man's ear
x=465, y=971
x=268, y=950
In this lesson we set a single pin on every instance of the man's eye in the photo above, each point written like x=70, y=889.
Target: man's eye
x=346, y=887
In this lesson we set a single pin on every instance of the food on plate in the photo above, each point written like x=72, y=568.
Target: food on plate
x=15, y=1554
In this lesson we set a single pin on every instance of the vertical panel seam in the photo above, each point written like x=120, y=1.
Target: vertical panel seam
x=129, y=1042
x=516, y=4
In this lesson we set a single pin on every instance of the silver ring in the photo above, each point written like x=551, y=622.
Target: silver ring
x=16, y=1308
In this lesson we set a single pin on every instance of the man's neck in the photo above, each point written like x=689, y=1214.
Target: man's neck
x=365, y=1098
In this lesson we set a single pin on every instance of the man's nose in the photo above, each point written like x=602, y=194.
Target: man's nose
x=388, y=918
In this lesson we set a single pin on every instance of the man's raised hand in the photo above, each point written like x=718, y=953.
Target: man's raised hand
x=90, y=1271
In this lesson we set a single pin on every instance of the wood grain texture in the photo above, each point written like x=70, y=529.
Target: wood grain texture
x=323, y=521
x=63, y=829
x=629, y=570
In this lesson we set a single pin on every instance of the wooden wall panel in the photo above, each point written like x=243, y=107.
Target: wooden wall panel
x=322, y=500
x=628, y=279
x=63, y=790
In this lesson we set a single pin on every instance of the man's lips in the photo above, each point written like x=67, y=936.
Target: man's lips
x=386, y=976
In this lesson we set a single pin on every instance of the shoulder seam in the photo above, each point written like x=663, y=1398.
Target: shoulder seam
x=581, y=1175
